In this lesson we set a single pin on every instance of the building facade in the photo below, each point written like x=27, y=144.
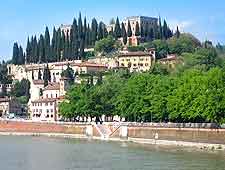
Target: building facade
x=45, y=108
x=143, y=22
x=9, y=105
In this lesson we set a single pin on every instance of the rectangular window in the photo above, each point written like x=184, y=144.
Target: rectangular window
x=46, y=95
x=40, y=110
x=46, y=104
x=51, y=110
x=51, y=103
x=51, y=96
x=47, y=110
x=146, y=64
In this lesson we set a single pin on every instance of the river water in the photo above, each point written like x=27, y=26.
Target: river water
x=42, y=153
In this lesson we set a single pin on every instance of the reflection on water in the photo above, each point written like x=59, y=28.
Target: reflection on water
x=39, y=153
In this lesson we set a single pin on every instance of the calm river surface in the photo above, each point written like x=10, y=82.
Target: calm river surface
x=40, y=153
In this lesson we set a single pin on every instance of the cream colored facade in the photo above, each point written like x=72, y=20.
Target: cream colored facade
x=18, y=72
x=143, y=21
x=45, y=108
x=9, y=105
x=136, y=61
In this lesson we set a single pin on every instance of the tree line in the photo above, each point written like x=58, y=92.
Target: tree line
x=70, y=45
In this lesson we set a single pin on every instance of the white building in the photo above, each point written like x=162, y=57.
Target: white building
x=45, y=108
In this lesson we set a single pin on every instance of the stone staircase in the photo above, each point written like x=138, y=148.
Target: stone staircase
x=104, y=130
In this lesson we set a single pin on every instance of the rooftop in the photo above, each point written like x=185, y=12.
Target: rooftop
x=52, y=86
x=134, y=54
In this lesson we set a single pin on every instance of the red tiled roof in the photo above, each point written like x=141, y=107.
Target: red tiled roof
x=88, y=64
x=52, y=86
x=5, y=99
x=44, y=100
x=134, y=54
x=169, y=58
x=38, y=82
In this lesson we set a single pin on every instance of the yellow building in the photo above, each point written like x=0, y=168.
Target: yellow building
x=137, y=61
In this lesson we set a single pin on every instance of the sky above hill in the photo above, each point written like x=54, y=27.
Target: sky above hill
x=23, y=18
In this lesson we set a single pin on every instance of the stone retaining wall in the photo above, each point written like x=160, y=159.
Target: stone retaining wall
x=215, y=136
x=13, y=126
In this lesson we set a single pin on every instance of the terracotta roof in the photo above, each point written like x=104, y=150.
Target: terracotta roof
x=134, y=54
x=38, y=82
x=5, y=99
x=52, y=86
x=88, y=64
x=45, y=100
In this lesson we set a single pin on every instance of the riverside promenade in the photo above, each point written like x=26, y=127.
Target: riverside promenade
x=203, y=136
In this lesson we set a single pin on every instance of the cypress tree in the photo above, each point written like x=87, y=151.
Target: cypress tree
x=21, y=59
x=100, y=30
x=117, y=31
x=129, y=31
x=41, y=44
x=47, y=44
x=39, y=74
x=165, y=30
x=15, y=53
x=58, y=45
x=63, y=45
x=160, y=29
x=81, y=53
x=177, y=33
x=94, y=30
x=74, y=43
x=53, y=46
x=137, y=29
x=124, y=34
x=85, y=34
x=28, y=51
x=80, y=27
x=87, y=37
x=35, y=50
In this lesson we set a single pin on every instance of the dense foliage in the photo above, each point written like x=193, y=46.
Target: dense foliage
x=194, y=91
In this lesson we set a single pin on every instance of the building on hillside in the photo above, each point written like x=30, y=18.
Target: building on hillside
x=18, y=72
x=46, y=107
x=137, y=61
x=65, y=28
x=171, y=60
x=9, y=105
x=8, y=87
x=143, y=22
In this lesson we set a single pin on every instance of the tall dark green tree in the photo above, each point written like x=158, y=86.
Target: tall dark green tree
x=28, y=51
x=39, y=74
x=137, y=29
x=47, y=44
x=53, y=46
x=165, y=30
x=129, y=31
x=59, y=45
x=124, y=34
x=46, y=76
x=74, y=40
x=101, y=30
x=177, y=32
x=15, y=53
x=117, y=31
x=41, y=43
x=160, y=29
x=21, y=59
x=94, y=30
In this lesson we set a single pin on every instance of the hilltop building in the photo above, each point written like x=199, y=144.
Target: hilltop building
x=65, y=28
x=143, y=22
